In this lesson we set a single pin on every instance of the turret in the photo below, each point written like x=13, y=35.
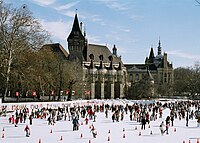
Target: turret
x=114, y=50
x=159, y=48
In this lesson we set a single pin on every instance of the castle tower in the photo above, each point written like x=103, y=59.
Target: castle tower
x=76, y=42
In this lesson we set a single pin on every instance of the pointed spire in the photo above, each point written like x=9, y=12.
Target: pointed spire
x=159, y=47
x=76, y=30
x=75, y=26
x=151, y=55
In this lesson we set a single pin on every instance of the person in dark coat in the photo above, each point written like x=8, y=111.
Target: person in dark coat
x=31, y=119
x=143, y=121
x=75, y=124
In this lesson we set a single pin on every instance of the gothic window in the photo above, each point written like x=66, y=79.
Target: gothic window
x=101, y=57
x=169, y=77
x=143, y=76
x=165, y=77
x=137, y=77
x=76, y=34
x=131, y=77
x=91, y=56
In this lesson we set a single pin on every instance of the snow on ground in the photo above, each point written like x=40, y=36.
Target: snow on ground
x=41, y=131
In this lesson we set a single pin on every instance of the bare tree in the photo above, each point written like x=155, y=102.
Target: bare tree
x=19, y=32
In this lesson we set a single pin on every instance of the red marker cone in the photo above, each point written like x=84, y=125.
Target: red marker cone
x=149, y=126
x=39, y=141
x=174, y=129
x=183, y=141
x=139, y=133
x=123, y=129
x=109, y=131
x=123, y=135
x=3, y=135
x=189, y=141
x=89, y=141
x=136, y=128
x=81, y=135
x=108, y=138
x=81, y=123
x=3, y=129
x=151, y=132
x=51, y=131
x=61, y=138
x=197, y=140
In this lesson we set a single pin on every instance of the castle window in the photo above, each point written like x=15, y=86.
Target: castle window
x=165, y=77
x=137, y=77
x=76, y=34
x=131, y=77
x=143, y=76
x=169, y=77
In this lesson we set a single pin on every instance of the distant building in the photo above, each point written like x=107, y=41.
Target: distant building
x=104, y=70
x=158, y=67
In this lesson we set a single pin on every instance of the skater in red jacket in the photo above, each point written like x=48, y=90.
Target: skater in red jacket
x=27, y=130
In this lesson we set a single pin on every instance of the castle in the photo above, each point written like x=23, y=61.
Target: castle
x=108, y=77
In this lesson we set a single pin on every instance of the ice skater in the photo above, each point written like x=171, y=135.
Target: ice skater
x=94, y=132
x=27, y=130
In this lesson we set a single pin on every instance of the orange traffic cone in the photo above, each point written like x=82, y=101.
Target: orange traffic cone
x=139, y=133
x=40, y=141
x=51, y=131
x=123, y=135
x=108, y=138
x=61, y=138
x=81, y=135
x=174, y=129
x=3, y=135
x=109, y=131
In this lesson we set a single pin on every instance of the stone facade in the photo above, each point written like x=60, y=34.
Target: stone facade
x=158, y=66
x=104, y=72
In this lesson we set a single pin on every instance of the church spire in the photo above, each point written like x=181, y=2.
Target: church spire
x=159, y=47
x=76, y=30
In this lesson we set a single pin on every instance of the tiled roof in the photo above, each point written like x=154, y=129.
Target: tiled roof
x=99, y=50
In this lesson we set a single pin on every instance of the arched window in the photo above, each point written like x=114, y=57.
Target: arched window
x=137, y=77
x=165, y=77
x=131, y=77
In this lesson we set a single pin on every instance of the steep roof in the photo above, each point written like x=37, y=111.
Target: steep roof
x=99, y=50
x=76, y=31
x=139, y=67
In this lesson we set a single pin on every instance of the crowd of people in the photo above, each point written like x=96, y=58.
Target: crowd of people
x=138, y=112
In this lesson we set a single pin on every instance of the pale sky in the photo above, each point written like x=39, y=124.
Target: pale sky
x=134, y=26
